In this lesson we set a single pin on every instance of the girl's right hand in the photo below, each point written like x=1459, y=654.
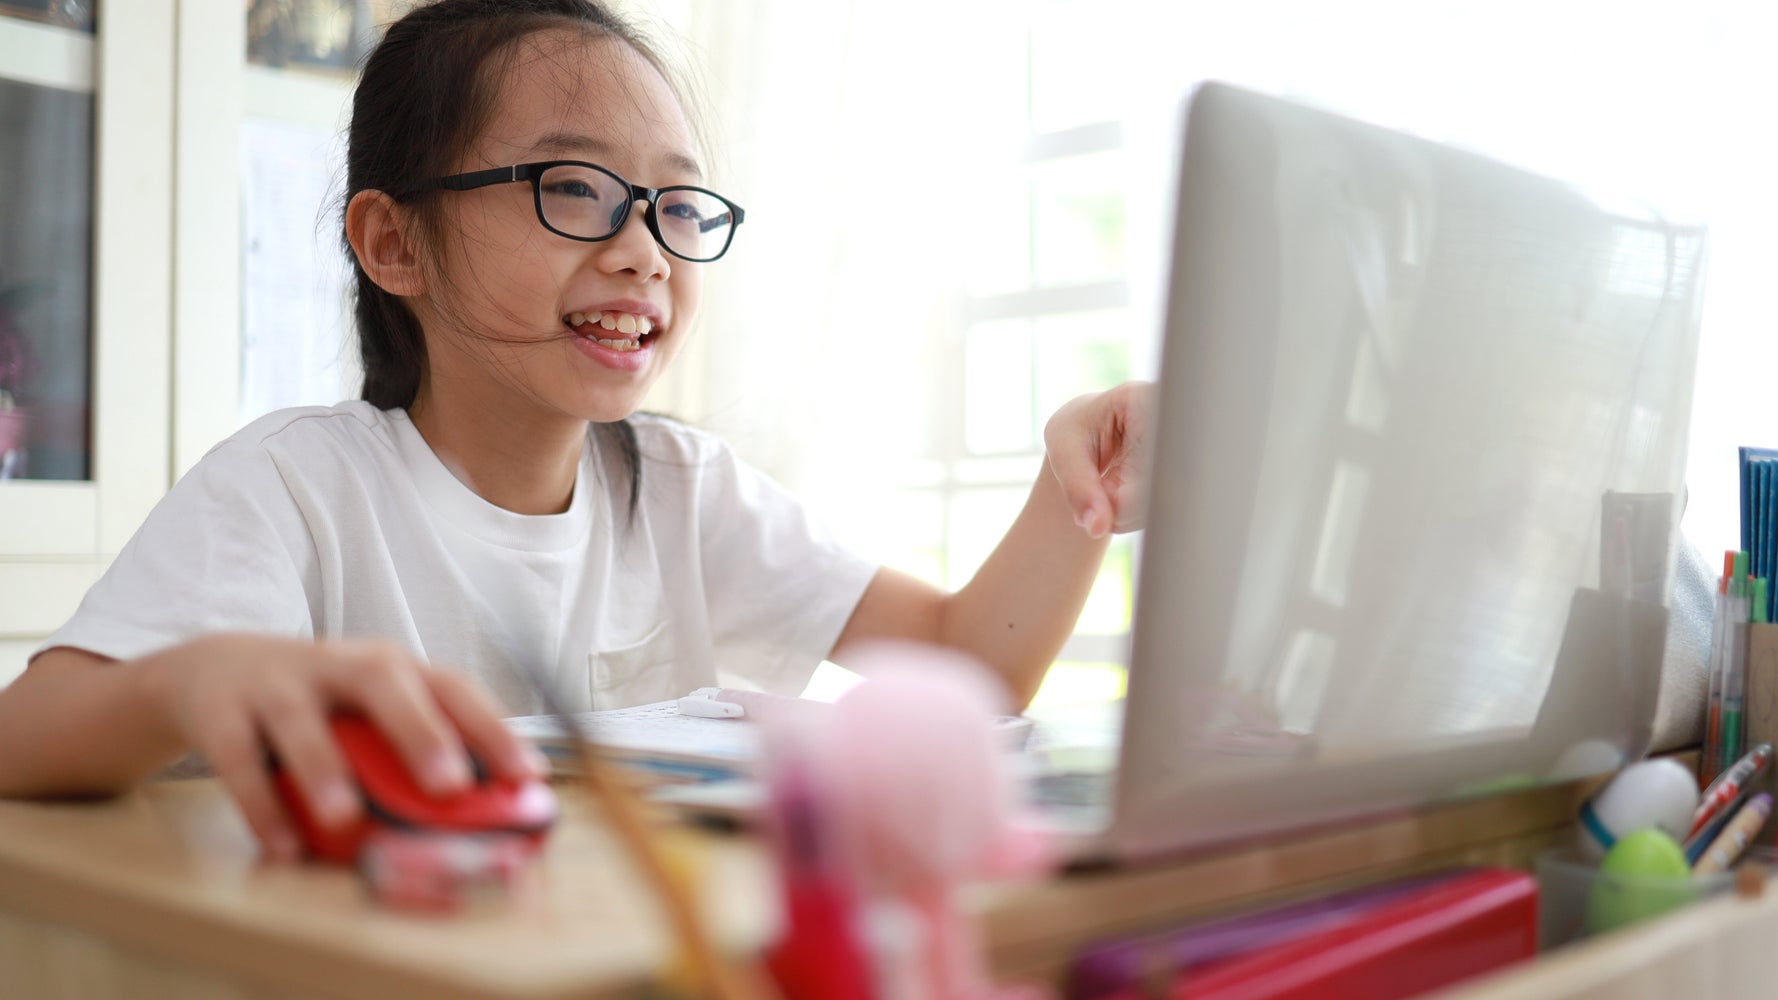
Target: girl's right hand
x=233, y=697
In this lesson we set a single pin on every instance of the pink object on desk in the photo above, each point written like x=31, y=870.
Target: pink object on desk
x=906, y=788
x=1424, y=940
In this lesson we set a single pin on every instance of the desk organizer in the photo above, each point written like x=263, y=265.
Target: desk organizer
x=1577, y=900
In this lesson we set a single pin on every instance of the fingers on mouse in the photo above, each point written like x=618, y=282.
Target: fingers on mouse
x=392, y=800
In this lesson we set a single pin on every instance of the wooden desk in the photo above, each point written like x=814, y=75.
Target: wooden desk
x=1720, y=949
x=158, y=894
x=1033, y=930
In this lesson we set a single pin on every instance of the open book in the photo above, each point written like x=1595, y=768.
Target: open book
x=654, y=737
x=676, y=747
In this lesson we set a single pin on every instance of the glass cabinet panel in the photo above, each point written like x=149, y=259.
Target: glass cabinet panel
x=45, y=283
x=66, y=13
x=46, y=244
x=319, y=34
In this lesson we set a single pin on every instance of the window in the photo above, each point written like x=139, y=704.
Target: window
x=905, y=388
x=1049, y=129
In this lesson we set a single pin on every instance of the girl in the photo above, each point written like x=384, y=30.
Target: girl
x=529, y=224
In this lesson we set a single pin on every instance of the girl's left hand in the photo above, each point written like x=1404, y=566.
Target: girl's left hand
x=1097, y=447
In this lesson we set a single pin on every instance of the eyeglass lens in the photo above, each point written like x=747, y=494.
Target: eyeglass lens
x=589, y=203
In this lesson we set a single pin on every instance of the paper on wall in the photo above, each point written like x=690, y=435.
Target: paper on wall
x=295, y=345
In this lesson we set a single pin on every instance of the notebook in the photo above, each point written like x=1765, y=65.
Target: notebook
x=676, y=748
x=655, y=738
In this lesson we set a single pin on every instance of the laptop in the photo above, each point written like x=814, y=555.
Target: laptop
x=1417, y=478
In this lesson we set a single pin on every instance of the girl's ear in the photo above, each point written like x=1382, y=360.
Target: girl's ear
x=375, y=227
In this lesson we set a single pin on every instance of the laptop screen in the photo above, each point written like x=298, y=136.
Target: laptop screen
x=1418, y=477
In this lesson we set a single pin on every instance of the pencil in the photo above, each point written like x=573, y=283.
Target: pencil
x=1735, y=836
x=629, y=818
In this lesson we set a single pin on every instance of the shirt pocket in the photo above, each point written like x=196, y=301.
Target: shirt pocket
x=638, y=672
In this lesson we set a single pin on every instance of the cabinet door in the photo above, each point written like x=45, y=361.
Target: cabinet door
x=85, y=265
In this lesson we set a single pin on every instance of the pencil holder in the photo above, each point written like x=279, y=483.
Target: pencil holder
x=1577, y=900
x=1762, y=708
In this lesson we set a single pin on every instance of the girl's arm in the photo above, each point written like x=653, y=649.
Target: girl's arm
x=76, y=724
x=1021, y=606
x=79, y=724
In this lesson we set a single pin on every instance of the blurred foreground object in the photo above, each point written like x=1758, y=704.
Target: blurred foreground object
x=443, y=874
x=879, y=810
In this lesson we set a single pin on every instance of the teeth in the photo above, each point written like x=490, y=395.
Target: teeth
x=614, y=321
x=618, y=345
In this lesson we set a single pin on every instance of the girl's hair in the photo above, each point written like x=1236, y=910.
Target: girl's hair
x=425, y=95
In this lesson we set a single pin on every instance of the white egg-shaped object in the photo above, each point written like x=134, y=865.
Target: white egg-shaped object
x=1659, y=793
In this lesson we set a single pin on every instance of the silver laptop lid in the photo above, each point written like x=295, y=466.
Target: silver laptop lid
x=1419, y=472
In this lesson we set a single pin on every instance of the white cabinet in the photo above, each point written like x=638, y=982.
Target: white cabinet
x=122, y=211
x=98, y=330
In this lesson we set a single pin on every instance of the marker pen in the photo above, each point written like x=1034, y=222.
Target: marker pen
x=1728, y=787
x=1729, y=844
x=1735, y=662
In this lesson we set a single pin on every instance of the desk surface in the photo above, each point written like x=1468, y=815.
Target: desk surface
x=171, y=870
x=160, y=894
x=165, y=882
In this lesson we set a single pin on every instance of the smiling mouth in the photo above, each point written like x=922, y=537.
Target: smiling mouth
x=618, y=331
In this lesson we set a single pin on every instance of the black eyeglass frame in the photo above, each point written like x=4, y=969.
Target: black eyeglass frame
x=533, y=172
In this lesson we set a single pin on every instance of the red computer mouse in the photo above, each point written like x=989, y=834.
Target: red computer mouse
x=392, y=800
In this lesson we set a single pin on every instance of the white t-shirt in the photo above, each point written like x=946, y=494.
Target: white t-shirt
x=340, y=521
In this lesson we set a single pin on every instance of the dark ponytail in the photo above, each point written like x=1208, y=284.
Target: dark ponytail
x=426, y=93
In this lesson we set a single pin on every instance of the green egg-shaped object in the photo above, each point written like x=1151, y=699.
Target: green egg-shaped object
x=1644, y=874
x=1493, y=786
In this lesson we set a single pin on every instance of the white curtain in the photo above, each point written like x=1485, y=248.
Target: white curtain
x=865, y=139
x=859, y=137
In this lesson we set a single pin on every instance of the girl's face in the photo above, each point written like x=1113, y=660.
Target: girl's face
x=526, y=316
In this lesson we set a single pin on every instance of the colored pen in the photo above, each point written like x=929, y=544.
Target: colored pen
x=1729, y=844
x=1728, y=787
x=1735, y=662
x=1695, y=848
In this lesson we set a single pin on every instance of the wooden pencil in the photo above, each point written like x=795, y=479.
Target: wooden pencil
x=629, y=817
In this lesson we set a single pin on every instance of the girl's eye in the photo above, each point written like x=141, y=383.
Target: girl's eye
x=573, y=189
x=682, y=210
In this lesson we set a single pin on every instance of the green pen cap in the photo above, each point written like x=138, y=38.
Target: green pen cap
x=1761, y=594
x=1740, y=586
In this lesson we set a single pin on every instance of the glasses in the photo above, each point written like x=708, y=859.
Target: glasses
x=586, y=202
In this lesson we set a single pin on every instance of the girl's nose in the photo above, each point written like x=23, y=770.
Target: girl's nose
x=634, y=247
